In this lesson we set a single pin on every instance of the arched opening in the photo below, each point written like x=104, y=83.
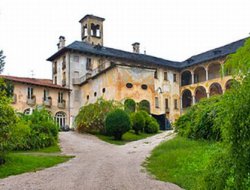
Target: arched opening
x=186, y=78
x=28, y=111
x=186, y=98
x=229, y=84
x=200, y=93
x=199, y=74
x=215, y=89
x=214, y=70
x=144, y=105
x=129, y=105
x=60, y=119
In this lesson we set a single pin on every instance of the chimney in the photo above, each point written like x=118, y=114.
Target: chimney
x=61, y=43
x=136, y=47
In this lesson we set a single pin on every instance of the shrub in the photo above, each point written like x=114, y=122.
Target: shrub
x=91, y=118
x=199, y=122
x=153, y=127
x=42, y=132
x=7, y=120
x=117, y=123
x=138, y=122
x=129, y=105
x=144, y=105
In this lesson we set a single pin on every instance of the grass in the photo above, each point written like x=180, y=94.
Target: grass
x=29, y=161
x=127, y=137
x=181, y=161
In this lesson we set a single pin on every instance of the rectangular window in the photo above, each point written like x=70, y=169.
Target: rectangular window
x=76, y=58
x=88, y=65
x=55, y=82
x=175, y=78
x=166, y=104
x=55, y=67
x=64, y=63
x=30, y=92
x=156, y=75
x=157, y=102
x=165, y=76
x=60, y=97
x=45, y=94
x=175, y=104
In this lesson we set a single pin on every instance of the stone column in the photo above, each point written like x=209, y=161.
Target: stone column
x=206, y=73
x=193, y=100
x=192, y=74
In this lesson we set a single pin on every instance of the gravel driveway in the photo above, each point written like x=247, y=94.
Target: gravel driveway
x=97, y=166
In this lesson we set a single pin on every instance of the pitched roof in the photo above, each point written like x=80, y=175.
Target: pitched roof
x=214, y=53
x=115, y=53
x=147, y=59
x=34, y=81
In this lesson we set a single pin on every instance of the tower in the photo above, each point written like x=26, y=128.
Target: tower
x=92, y=29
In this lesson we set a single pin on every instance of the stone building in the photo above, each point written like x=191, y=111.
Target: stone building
x=86, y=70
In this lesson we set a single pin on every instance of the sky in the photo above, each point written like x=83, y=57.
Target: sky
x=170, y=29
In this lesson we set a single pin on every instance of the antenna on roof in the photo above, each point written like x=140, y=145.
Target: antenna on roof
x=32, y=73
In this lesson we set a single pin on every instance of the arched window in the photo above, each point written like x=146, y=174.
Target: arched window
x=214, y=71
x=186, y=78
x=199, y=74
x=60, y=118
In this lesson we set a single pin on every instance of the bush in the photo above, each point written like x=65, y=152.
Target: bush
x=91, y=118
x=199, y=122
x=138, y=122
x=117, y=123
x=129, y=105
x=7, y=120
x=144, y=105
x=153, y=127
x=35, y=131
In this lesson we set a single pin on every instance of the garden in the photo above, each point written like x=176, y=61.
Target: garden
x=212, y=147
x=26, y=141
x=117, y=123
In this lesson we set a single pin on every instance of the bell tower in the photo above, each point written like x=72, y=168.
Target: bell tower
x=92, y=29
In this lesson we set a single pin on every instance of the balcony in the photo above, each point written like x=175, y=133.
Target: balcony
x=47, y=102
x=93, y=73
x=31, y=101
x=14, y=99
x=61, y=105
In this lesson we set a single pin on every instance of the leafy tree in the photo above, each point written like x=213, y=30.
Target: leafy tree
x=2, y=62
x=129, y=105
x=138, y=122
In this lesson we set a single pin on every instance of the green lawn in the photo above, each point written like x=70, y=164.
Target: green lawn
x=181, y=161
x=27, y=161
x=127, y=137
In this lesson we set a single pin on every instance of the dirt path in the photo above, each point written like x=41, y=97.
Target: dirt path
x=97, y=166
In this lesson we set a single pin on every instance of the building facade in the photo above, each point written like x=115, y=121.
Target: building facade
x=87, y=70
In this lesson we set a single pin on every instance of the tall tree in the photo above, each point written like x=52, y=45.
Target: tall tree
x=2, y=62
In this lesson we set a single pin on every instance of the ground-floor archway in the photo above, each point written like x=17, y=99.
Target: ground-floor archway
x=186, y=98
x=200, y=92
x=215, y=89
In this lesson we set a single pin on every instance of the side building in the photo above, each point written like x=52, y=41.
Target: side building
x=29, y=93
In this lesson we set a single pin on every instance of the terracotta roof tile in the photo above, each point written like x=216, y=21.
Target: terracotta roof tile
x=34, y=81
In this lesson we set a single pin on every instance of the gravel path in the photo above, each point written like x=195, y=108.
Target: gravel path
x=97, y=166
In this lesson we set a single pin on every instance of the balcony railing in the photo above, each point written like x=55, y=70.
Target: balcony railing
x=31, y=101
x=93, y=73
x=61, y=105
x=47, y=102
